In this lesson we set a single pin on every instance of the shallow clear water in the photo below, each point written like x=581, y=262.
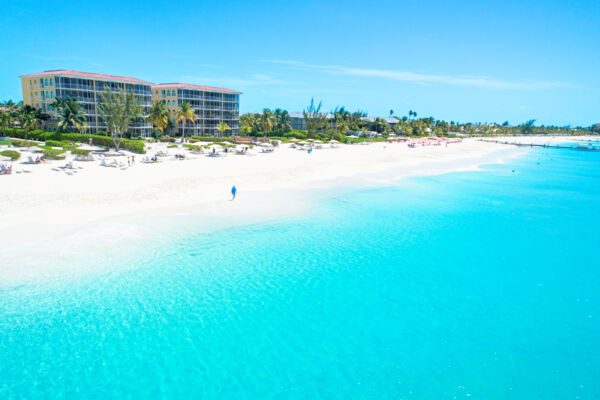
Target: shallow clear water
x=465, y=285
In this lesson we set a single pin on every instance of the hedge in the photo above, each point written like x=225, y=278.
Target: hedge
x=23, y=143
x=14, y=155
x=54, y=154
x=80, y=152
x=137, y=146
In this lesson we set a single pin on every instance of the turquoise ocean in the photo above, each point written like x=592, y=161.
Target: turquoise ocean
x=479, y=284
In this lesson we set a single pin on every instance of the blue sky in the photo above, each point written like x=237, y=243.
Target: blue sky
x=474, y=61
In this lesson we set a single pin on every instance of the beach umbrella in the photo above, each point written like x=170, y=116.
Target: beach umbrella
x=3, y=158
x=303, y=142
x=227, y=143
x=333, y=141
x=317, y=141
x=311, y=140
x=265, y=145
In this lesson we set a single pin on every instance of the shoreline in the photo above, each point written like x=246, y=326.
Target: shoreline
x=45, y=213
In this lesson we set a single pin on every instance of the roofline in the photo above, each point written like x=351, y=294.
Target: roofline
x=197, y=87
x=88, y=75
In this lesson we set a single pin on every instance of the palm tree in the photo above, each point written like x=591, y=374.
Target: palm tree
x=342, y=120
x=380, y=124
x=222, y=127
x=159, y=117
x=27, y=116
x=11, y=109
x=185, y=113
x=283, y=120
x=170, y=127
x=6, y=120
x=70, y=114
x=355, y=120
x=266, y=121
x=528, y=127
x=59, y=103
x=249, y=123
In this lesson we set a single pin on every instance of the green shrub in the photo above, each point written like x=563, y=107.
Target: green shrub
x=167, y=139
x=23, y=143
x=54, y=143
x=171, y=146
x=80, y=152
x=13, y=154
x=192, y=147
x=52, y=154
x=213, y=139
x=136, y=146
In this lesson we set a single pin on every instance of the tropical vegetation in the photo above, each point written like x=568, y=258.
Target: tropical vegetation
x=222, y=128
x=118, y=111
x=159, y=117
x=184, y=114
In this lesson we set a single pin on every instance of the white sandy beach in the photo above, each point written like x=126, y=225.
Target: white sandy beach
x=49, y=203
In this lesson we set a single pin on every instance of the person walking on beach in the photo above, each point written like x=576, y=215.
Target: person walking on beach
x=233, y=192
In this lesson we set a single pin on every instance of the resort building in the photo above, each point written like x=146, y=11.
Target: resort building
x=211, y=105
x=299, y=123
x=42, y=89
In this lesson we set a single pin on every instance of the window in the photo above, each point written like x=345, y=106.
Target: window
x=46, y=81
x=50, y=81
x=163, y=93
x=52, y=94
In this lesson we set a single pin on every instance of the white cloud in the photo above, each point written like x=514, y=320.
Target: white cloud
x=426, y=79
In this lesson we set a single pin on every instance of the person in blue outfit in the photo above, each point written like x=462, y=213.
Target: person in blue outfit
x=233, y=192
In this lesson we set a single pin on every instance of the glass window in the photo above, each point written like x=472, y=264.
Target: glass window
x=46, y=81
x=163, y=93
x=50, y=81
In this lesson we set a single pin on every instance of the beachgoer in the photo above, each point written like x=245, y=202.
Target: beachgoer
x=233, y=192
x=132, y=160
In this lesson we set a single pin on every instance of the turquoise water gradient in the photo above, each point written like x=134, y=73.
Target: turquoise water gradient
x=480, y=285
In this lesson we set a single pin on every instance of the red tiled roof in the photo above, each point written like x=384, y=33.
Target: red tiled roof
x=65, y=72
x=189, y=86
